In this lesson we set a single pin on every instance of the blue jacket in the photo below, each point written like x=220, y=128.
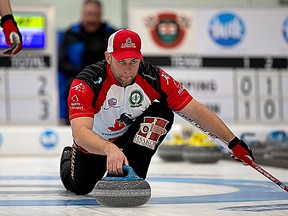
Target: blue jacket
x=80, y=49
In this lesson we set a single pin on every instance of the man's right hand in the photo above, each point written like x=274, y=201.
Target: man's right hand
x=115, y=160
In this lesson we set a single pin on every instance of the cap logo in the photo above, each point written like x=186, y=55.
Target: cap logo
x=128, y=44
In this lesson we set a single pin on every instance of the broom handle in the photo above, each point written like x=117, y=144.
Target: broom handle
x=268, y=175
x=248, y=161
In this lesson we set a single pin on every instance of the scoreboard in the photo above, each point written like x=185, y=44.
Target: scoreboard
x=238, y=89
x=28, y=83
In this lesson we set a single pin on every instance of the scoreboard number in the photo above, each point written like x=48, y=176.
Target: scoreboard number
x=26, y=96
x=43, y=86
x=269, y=94
x=246, y=96
x=45, y=113
x=258, y=95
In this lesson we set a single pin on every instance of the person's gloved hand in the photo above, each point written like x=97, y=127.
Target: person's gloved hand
x=241, y=151
x=12, y=34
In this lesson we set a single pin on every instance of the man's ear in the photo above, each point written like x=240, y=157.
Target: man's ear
x=108, y=57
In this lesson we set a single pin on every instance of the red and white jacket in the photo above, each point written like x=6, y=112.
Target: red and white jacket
x=95, y=93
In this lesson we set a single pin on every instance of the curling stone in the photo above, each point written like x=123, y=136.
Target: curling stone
x=200, y=149
x=277, y=144
x=122, y=191
x=171, y=148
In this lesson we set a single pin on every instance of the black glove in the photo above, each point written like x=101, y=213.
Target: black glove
x=241, y=151
x=12, y=35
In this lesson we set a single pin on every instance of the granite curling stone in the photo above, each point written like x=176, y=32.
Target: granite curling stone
x=171, y=148
x=200, y=149
x=277, y=145
x=122, y=191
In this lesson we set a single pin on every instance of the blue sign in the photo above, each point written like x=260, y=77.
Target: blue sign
x=49, y=139
x=1, y=139
x=285, y=29
x=227, y=29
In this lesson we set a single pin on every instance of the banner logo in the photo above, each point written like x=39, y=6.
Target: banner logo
x=227, y=29
x=49, y=139
x=1, y=139
x=167, y=29
x=285, y=29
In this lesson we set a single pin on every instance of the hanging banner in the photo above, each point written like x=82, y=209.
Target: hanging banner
x=203, y=31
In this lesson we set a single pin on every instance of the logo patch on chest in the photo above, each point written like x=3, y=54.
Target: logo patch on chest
x=136, y=98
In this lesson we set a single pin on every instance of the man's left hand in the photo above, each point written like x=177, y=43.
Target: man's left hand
x=241, y=151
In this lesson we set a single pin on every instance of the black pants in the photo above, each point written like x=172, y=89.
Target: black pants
x=139, y=144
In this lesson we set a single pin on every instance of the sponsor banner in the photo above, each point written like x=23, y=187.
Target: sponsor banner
x=42, y=141
x=25, y=140
x=214, y=31
x=244, y=31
